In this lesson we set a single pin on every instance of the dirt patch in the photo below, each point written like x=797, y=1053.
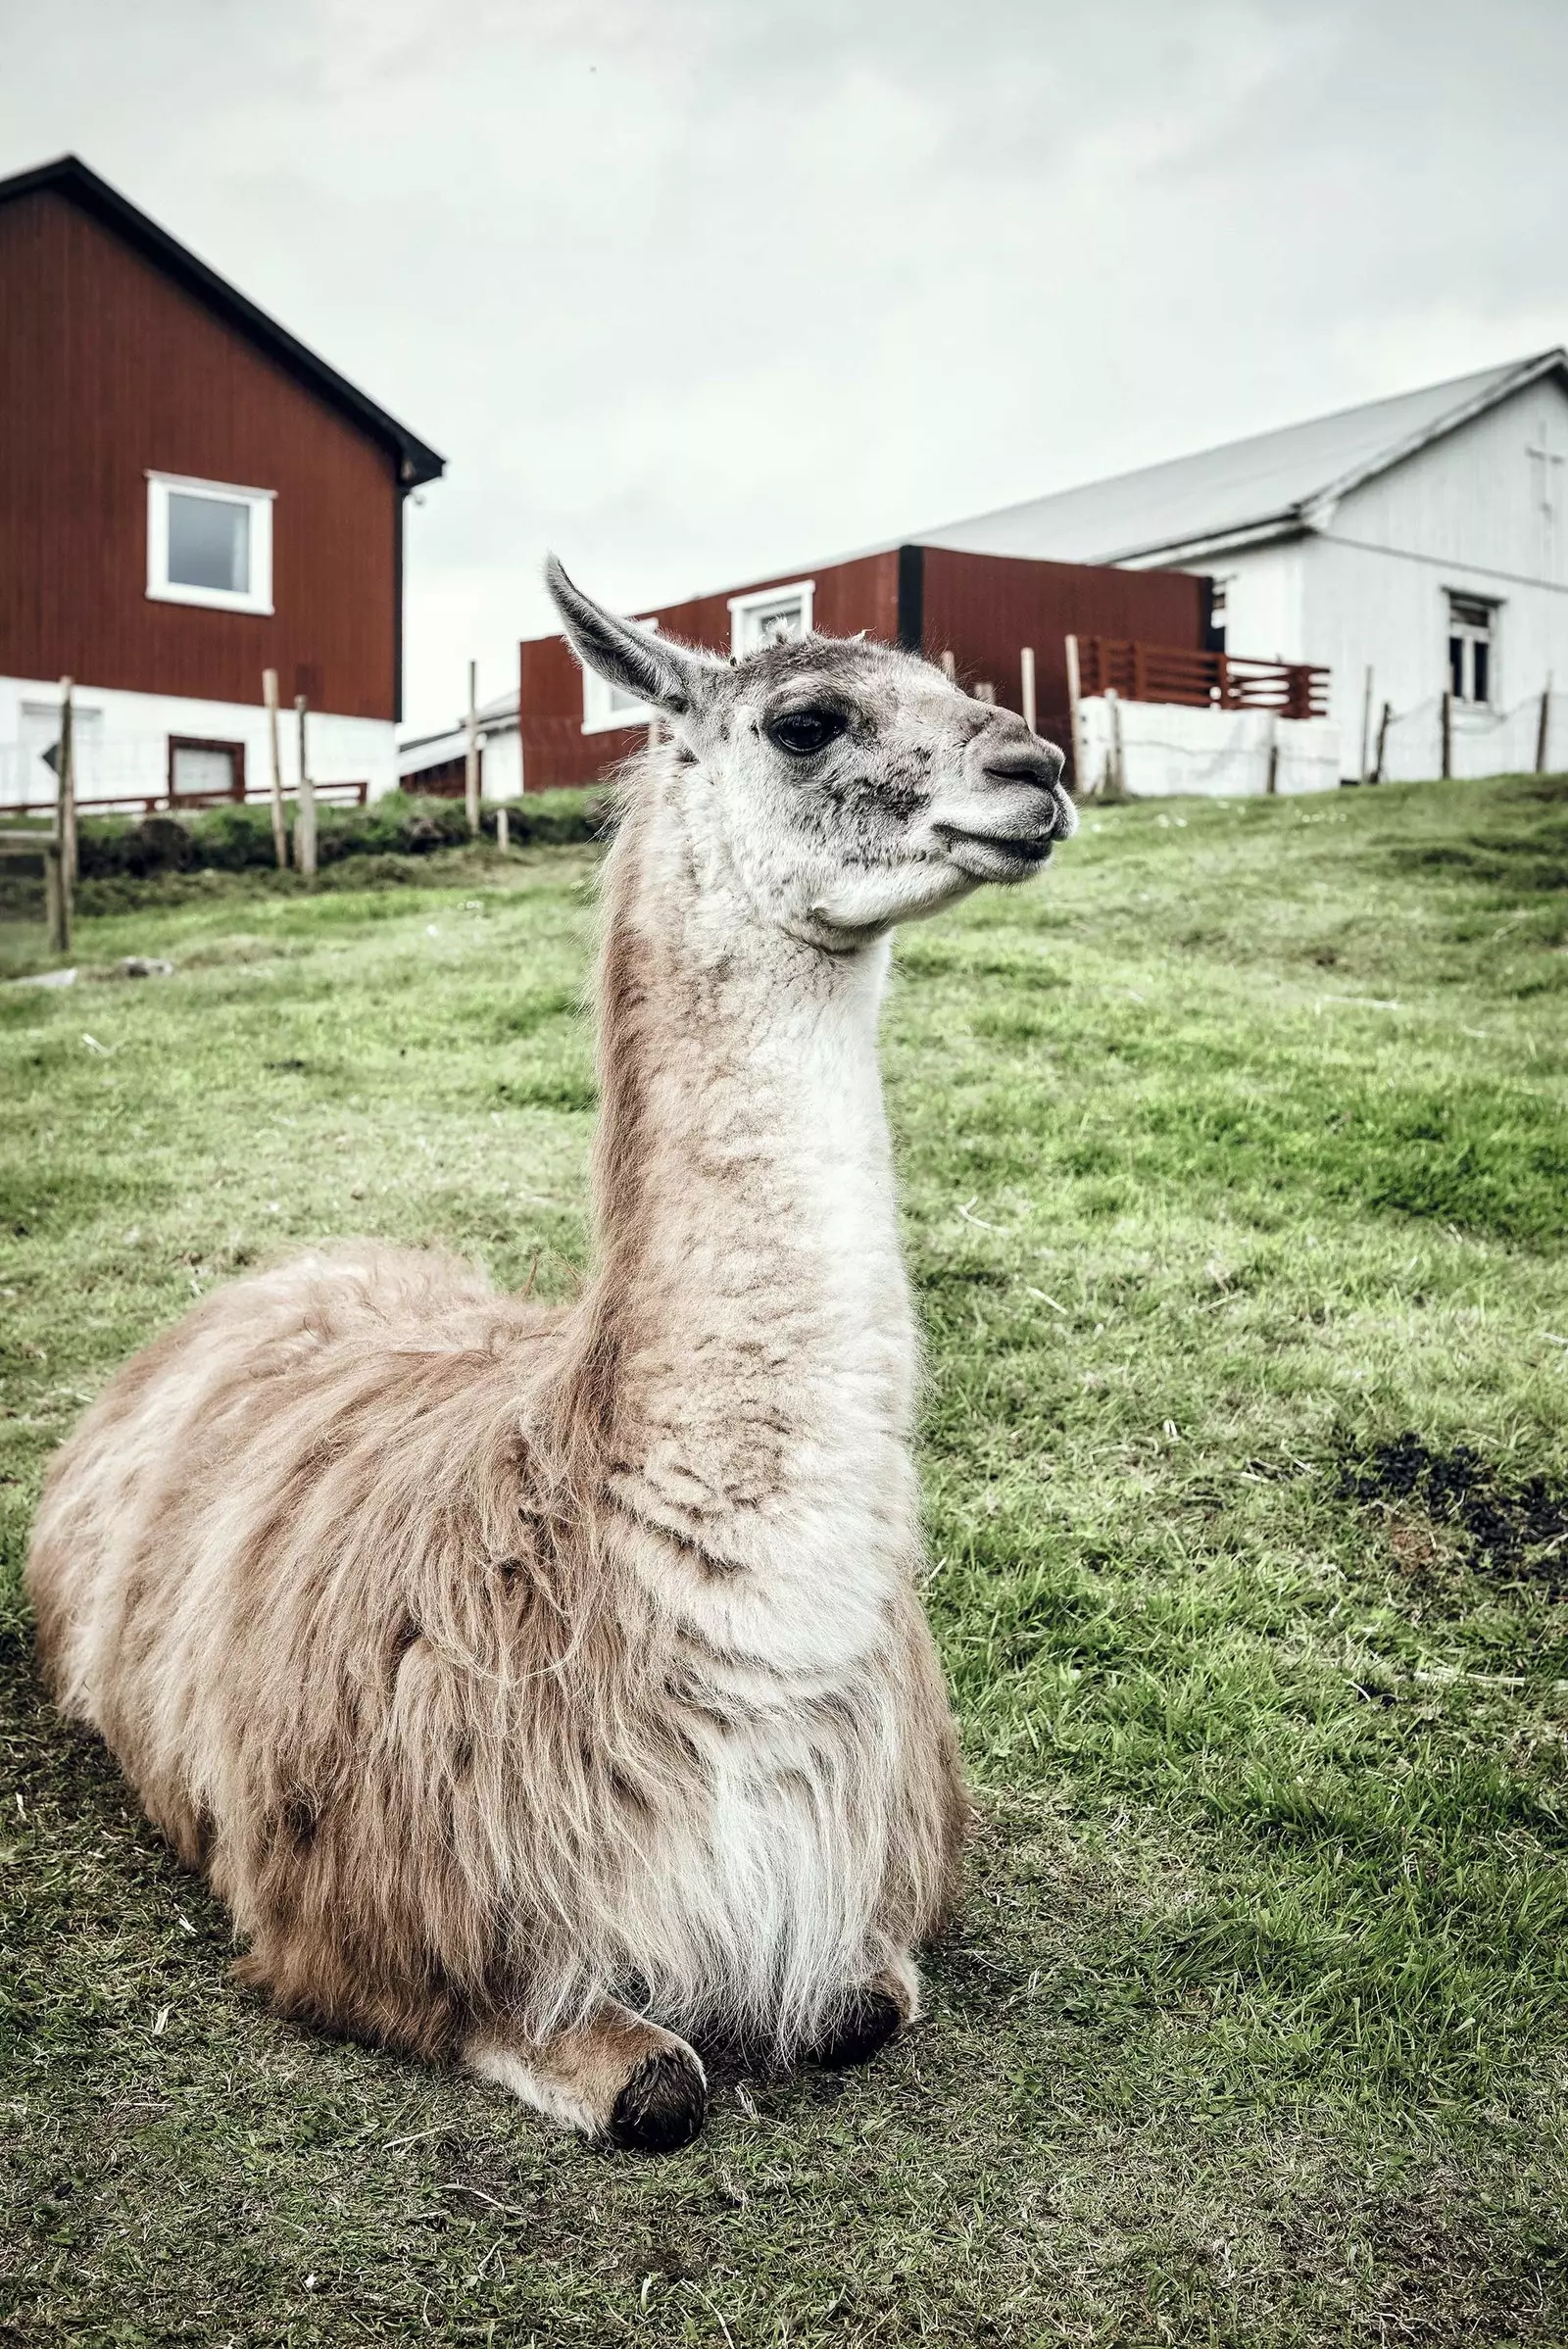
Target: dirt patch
x=1516, y=1527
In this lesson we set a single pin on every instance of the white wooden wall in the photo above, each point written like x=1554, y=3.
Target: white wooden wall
x=1373, y=585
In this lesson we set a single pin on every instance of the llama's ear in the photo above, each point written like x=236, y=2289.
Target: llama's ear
x=669, y=675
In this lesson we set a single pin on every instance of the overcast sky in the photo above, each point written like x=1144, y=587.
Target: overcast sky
x=693, y=291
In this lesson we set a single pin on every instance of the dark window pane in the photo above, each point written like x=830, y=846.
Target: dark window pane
x=209, y=543
x=1456, y=667
x=1481, y=656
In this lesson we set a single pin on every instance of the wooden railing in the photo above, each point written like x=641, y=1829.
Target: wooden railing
x=158, y=803
x=1141, y=673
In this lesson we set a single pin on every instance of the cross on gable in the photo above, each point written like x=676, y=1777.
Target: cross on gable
x=1542, y=460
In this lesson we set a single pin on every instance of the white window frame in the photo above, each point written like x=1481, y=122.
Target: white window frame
x=161, y=589
x=599, y=714
x=745, y=610
x=1470, y=633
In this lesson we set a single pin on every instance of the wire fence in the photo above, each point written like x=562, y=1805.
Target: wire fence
x=1442, y=736
x=1146, y=748
x=1165, y=750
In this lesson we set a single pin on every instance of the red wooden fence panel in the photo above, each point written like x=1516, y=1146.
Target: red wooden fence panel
x=1144, y=673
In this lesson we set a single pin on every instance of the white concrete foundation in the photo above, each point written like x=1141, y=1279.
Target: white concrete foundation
x=121, y=743
x=1170, y=751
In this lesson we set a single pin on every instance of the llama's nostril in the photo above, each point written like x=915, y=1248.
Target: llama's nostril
x=1037, y=763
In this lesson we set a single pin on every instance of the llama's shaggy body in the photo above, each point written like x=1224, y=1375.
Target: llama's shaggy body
x=509, y=1667
x=448, y=1768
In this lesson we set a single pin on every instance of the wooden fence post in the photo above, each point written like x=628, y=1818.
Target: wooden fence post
x=1383, y=723
x=280, y=828
x=57, y=897
x=68, y=792
x=304, y=819
x=1118, y=747
x=1075, y=731
x=1447, y=732
x=1366, y=724
x=503, y=831
x=1271, y=787
x=1026, y=676
x=1543, y=726
x=471, y=756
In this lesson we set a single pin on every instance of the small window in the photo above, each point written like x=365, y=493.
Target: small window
x=1472, y=630
x=209, y=543
x=203, y=771
x=605, y=706
x=770, y=615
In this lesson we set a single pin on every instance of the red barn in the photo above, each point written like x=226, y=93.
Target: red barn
x=188, y=496
x=982, y=609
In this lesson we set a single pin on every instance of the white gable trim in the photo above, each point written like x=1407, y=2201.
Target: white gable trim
x=1530, y=370
x=1317, y=512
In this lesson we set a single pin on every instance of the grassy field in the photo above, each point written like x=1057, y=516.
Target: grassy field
x=1236, y=1167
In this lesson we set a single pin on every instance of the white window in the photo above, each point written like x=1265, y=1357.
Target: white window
x=209, y=543
x=204, y=770
x=770, y=615
x=604, y=706
x=1471, y=642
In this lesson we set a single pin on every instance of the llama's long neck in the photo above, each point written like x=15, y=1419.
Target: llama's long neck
x=747, y=1354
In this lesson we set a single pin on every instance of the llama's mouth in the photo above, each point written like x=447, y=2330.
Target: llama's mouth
x=995, y=856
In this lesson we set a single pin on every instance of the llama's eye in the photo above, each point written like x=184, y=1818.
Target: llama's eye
x=804, y=732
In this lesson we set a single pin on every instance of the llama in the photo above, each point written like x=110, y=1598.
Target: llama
x=544, y=1688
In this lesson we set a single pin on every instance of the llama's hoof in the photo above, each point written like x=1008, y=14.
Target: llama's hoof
x=663, y=2105
x=867, y=2022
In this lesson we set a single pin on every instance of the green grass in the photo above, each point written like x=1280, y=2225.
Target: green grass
x=1235, y=1156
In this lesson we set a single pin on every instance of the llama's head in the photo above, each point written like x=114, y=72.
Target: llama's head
x=852, y=784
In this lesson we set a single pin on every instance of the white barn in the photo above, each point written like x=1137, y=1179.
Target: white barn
x=438, y=762
x=1423, y=537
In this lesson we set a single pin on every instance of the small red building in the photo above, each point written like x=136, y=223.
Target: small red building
x=188, y=496
x=982, y=609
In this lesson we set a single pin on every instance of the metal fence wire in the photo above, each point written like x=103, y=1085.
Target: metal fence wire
x=1442, y=736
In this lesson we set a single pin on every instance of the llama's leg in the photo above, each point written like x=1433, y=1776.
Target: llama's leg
x=872, y=2014
x=615, y=2078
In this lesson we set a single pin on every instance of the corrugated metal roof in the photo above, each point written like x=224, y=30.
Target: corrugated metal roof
x=1262, y=484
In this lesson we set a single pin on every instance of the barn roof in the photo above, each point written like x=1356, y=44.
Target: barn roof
x=1249, y=489
x=420, y=751
x=70, y=177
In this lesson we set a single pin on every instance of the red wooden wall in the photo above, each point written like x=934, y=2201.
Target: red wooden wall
x=850, y=596
x=108, y=370
x=984, y=609
x=981, y=608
